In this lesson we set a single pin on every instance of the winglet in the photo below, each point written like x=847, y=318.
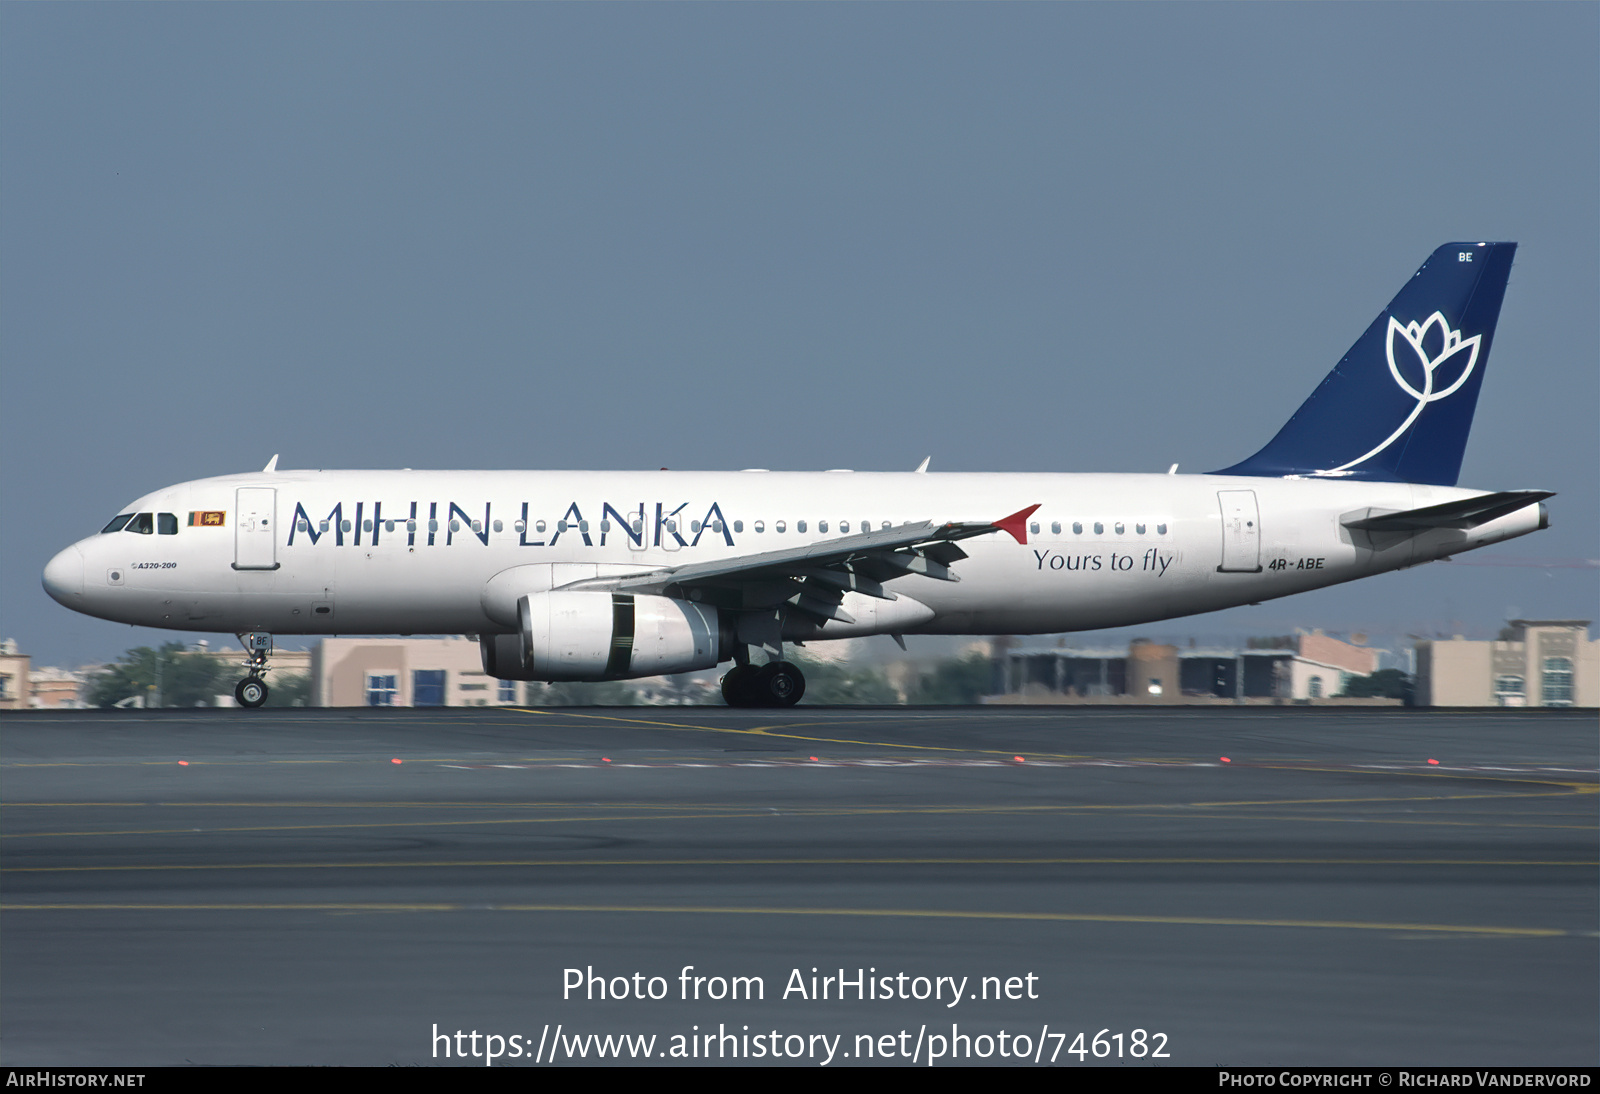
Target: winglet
x=272, y=464
x=1017, y=524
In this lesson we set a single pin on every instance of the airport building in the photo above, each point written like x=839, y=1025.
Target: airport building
x=1306, y=667
x=14, y=686
x=1534, y=663
x=405, y=672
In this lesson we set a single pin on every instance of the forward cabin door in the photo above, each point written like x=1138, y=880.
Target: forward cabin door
x=255, y=528
x=1241, y=532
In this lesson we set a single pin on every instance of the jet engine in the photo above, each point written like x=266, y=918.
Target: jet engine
x=596, y=635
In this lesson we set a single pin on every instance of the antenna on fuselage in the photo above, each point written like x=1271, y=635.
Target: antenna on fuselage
x=272, y=464
x=922, y=468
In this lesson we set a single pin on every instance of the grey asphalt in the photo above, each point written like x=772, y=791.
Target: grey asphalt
x=270, y=887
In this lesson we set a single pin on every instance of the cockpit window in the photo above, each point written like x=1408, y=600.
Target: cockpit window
x=167, y=523
x=143, y=523
x=116, y=523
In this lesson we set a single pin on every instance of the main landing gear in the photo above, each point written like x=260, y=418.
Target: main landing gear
x=252, y=690
x=775, y=684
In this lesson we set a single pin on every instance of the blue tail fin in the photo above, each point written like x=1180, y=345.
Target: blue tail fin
x=1399, y=406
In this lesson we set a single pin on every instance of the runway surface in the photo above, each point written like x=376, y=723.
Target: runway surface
x=237, y=887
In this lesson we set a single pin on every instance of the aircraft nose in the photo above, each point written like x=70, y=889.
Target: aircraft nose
x=63, y=577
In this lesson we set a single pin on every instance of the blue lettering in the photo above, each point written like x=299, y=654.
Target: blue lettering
x=637, y=538
x=483, y=535
x=714, y=513
x=335, y=518
x=524, y=541
x=576, y=521
x=661, y=523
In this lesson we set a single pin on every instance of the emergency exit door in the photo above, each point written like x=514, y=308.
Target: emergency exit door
x=255, y=528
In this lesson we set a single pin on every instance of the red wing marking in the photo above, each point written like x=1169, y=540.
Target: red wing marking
x=1017, y=524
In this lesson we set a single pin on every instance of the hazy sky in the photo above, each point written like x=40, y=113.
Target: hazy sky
x=1014, y=237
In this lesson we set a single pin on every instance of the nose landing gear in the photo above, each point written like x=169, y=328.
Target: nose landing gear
x=252, y=691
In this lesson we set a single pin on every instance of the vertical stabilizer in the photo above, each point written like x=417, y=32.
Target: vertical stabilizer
x=1399, y=406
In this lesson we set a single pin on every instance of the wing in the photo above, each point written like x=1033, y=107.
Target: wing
x=813, y=579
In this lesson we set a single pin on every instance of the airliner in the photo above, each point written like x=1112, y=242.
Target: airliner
x=607, y=575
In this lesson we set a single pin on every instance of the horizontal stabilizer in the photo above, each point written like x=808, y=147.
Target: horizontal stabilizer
x=1468, y=513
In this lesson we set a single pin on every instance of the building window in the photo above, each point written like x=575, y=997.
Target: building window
x=1510, y=691
x=1316, y=687
x=427, y=688
x=507, y=692
x=381, y=690
x=1556, y=687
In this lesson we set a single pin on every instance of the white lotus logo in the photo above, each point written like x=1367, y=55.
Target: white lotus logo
x=1428, y=353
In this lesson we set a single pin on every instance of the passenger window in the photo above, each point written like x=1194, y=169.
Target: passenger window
x=1033, y=528
x=1099, y=529
x=716, y=526
x=1139, y=528
x=411, y=526
x=800, y=526
x=1161, y=529
x=822, y=526
x=1119, y=527
x=116, y=523
x=344, y=526
x=388, y=526
x=738, y=526
x=844, y=526
x=694, y=526
x=780, y=527
x=521, y=526
x=143, y=523
x=539, y=527
x=322, y=526
x=366, y=525
x=761, y=526
x=1055, y=528
x=167, y=523
x=1077, y=528
x=605, y=525
x=499, y=526
x=301, y=525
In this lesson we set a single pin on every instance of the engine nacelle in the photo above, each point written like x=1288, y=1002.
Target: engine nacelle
x=593, y=635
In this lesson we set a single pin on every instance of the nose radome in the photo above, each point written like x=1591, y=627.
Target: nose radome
x=63, y=576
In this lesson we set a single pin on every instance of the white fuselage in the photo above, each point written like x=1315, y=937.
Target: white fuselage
x=385, y=552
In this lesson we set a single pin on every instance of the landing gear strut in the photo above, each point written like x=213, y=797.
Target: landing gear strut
x=252, y=690
x=775, y=684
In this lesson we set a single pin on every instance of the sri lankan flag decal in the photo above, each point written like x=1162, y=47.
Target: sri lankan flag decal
x=213, y=518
